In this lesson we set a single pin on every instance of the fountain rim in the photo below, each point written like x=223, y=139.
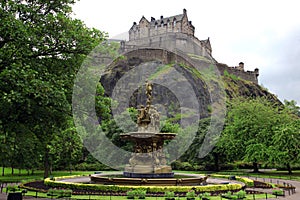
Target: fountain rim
x=190, y=179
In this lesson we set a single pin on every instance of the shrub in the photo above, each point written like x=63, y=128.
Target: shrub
x=247, y=181
x=141, y=194
x=130, y=194
x=12, y=188
x=228, y=194
x=186, y=166
x=169, y=195
x=241, y=194
x=190, y=195
x=278, y=192
x=204, y=196
x=59, y=193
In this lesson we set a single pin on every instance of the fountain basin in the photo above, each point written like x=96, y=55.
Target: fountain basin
x=183, y=180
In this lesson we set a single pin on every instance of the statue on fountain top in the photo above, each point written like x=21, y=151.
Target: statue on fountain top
x=148, y=117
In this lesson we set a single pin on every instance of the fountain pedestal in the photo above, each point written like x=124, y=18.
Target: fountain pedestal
x=148, y=159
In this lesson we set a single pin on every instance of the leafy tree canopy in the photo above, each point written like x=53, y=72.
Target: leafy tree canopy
x=41, y=49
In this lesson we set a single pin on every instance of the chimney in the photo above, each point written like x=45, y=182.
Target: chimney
x=184, y=11
x=134, y=23
x=152, y=19
x=161, y=17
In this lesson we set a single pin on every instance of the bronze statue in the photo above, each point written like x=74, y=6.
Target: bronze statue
x=143, y=112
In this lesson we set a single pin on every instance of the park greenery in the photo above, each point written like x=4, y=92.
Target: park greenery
x=41, y=49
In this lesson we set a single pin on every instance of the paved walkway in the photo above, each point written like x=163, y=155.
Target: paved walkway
x=295, y=196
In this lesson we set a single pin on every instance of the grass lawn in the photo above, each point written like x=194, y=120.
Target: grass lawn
x=22, y=175
x=266, y=174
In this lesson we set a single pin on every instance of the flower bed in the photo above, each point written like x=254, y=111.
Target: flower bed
x=249, y=182
x=150, y=189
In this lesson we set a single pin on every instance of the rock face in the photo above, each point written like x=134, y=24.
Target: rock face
x=171, y=72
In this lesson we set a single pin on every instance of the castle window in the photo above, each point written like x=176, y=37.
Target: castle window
x=156, y=27
x=174, y=22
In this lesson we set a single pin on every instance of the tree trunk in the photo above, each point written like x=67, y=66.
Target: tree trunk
x=3, y=171
x=288, y=166
x=70, y=165
x=255, y=167
x=51, y=169
x=46, y=164
x=12, y=170
x=216, y=162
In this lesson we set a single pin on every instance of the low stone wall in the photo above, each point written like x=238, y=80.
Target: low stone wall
x=246, y=75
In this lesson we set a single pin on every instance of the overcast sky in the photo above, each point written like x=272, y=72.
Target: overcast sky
x=263, y=34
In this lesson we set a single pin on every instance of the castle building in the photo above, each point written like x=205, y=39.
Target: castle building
x=173, y=24
x=176, y=33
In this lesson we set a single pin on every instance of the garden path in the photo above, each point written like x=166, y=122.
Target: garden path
x=295, y=196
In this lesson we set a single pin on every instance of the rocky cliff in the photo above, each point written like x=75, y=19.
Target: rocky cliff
x=171, y=72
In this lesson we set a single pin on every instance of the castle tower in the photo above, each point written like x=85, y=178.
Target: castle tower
x=174, y=24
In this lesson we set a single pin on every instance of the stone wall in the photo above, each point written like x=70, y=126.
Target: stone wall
x=246, y=75
x=171, y=41
x=186, y=26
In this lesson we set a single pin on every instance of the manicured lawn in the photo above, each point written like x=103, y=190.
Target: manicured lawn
x=22, y=175
x=266, y=174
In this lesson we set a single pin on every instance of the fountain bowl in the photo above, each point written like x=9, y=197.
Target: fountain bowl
x=119, y=179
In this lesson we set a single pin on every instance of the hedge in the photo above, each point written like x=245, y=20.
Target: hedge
x=149, y=189
x=247, y=181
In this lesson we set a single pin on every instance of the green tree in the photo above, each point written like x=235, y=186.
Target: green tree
x=292, y=107
x=286, y=144
x=41, y=49
x=249, y=130
x=66, y=149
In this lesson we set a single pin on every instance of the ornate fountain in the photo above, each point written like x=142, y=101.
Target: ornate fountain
x=148, y=159
x=148, y=164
